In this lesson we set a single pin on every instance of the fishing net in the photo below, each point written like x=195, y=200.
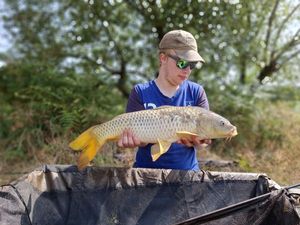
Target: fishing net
x=55, y=195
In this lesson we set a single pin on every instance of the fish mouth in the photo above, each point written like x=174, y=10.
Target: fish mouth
x=229, y=134
x=233, y=132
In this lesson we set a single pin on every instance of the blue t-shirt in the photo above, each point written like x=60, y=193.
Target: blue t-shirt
x=148, y=96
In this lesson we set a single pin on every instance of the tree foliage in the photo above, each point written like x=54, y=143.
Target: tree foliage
x=241, y=41
x=40, y=105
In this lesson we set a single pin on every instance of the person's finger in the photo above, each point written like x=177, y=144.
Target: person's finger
x=205, y=141
x=125, y=138
x=130, y=140
x=120, y=141
x=186, y=142
x=196, y=141
x=179, y=141
x=201, y=141
x=136, y=141
x=183, y=141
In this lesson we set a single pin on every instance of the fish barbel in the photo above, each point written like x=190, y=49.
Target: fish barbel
x=161, y=126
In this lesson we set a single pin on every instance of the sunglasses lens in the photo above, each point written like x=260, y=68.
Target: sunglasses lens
x=182, y=64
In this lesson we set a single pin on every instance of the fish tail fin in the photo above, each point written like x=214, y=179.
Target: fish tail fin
x=89, y=144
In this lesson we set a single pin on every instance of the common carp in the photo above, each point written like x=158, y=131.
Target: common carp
x=160, y=126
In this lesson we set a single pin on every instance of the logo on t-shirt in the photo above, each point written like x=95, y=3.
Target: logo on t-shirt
x=188, y=103
x=149, y=105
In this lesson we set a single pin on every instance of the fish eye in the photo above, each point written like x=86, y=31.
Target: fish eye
x=222, y=123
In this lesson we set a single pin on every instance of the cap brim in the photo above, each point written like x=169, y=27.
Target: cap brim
x=189, y=55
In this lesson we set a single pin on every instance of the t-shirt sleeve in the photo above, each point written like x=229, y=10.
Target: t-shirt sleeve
x=202, y=99
x=134, y=102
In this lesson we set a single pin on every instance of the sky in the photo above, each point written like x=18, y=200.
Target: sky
x=4, y=43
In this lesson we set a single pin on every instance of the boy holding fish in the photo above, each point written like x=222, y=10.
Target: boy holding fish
x=178, y=56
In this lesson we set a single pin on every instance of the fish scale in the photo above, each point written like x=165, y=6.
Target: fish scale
x=160, y=126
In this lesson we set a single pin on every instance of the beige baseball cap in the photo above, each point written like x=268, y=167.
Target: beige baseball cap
x=183, y=43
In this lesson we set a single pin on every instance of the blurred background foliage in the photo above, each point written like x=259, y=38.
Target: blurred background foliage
x=71, y=65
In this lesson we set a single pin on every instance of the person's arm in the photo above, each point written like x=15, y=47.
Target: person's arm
x=127, y=138
x=134, y=102
x=202, y=100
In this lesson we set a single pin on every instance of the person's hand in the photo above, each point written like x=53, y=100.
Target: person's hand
x=195, y=141
x=129, y=140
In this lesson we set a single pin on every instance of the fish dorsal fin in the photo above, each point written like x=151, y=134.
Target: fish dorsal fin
x=160, y=148
x=186, y=134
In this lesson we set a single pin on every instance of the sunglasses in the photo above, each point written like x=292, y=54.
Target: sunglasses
x=181, y=63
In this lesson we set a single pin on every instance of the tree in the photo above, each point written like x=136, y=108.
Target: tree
x=277, y=50
x=242, y=41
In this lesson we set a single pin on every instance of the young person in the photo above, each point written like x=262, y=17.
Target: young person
x=178, y=56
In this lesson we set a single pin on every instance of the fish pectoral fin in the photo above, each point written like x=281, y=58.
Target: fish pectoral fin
x=186, y=134
x=160, y=148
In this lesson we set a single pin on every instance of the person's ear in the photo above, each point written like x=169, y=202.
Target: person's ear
x=162, y=58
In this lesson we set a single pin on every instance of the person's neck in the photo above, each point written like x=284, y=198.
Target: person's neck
x=165, y=87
